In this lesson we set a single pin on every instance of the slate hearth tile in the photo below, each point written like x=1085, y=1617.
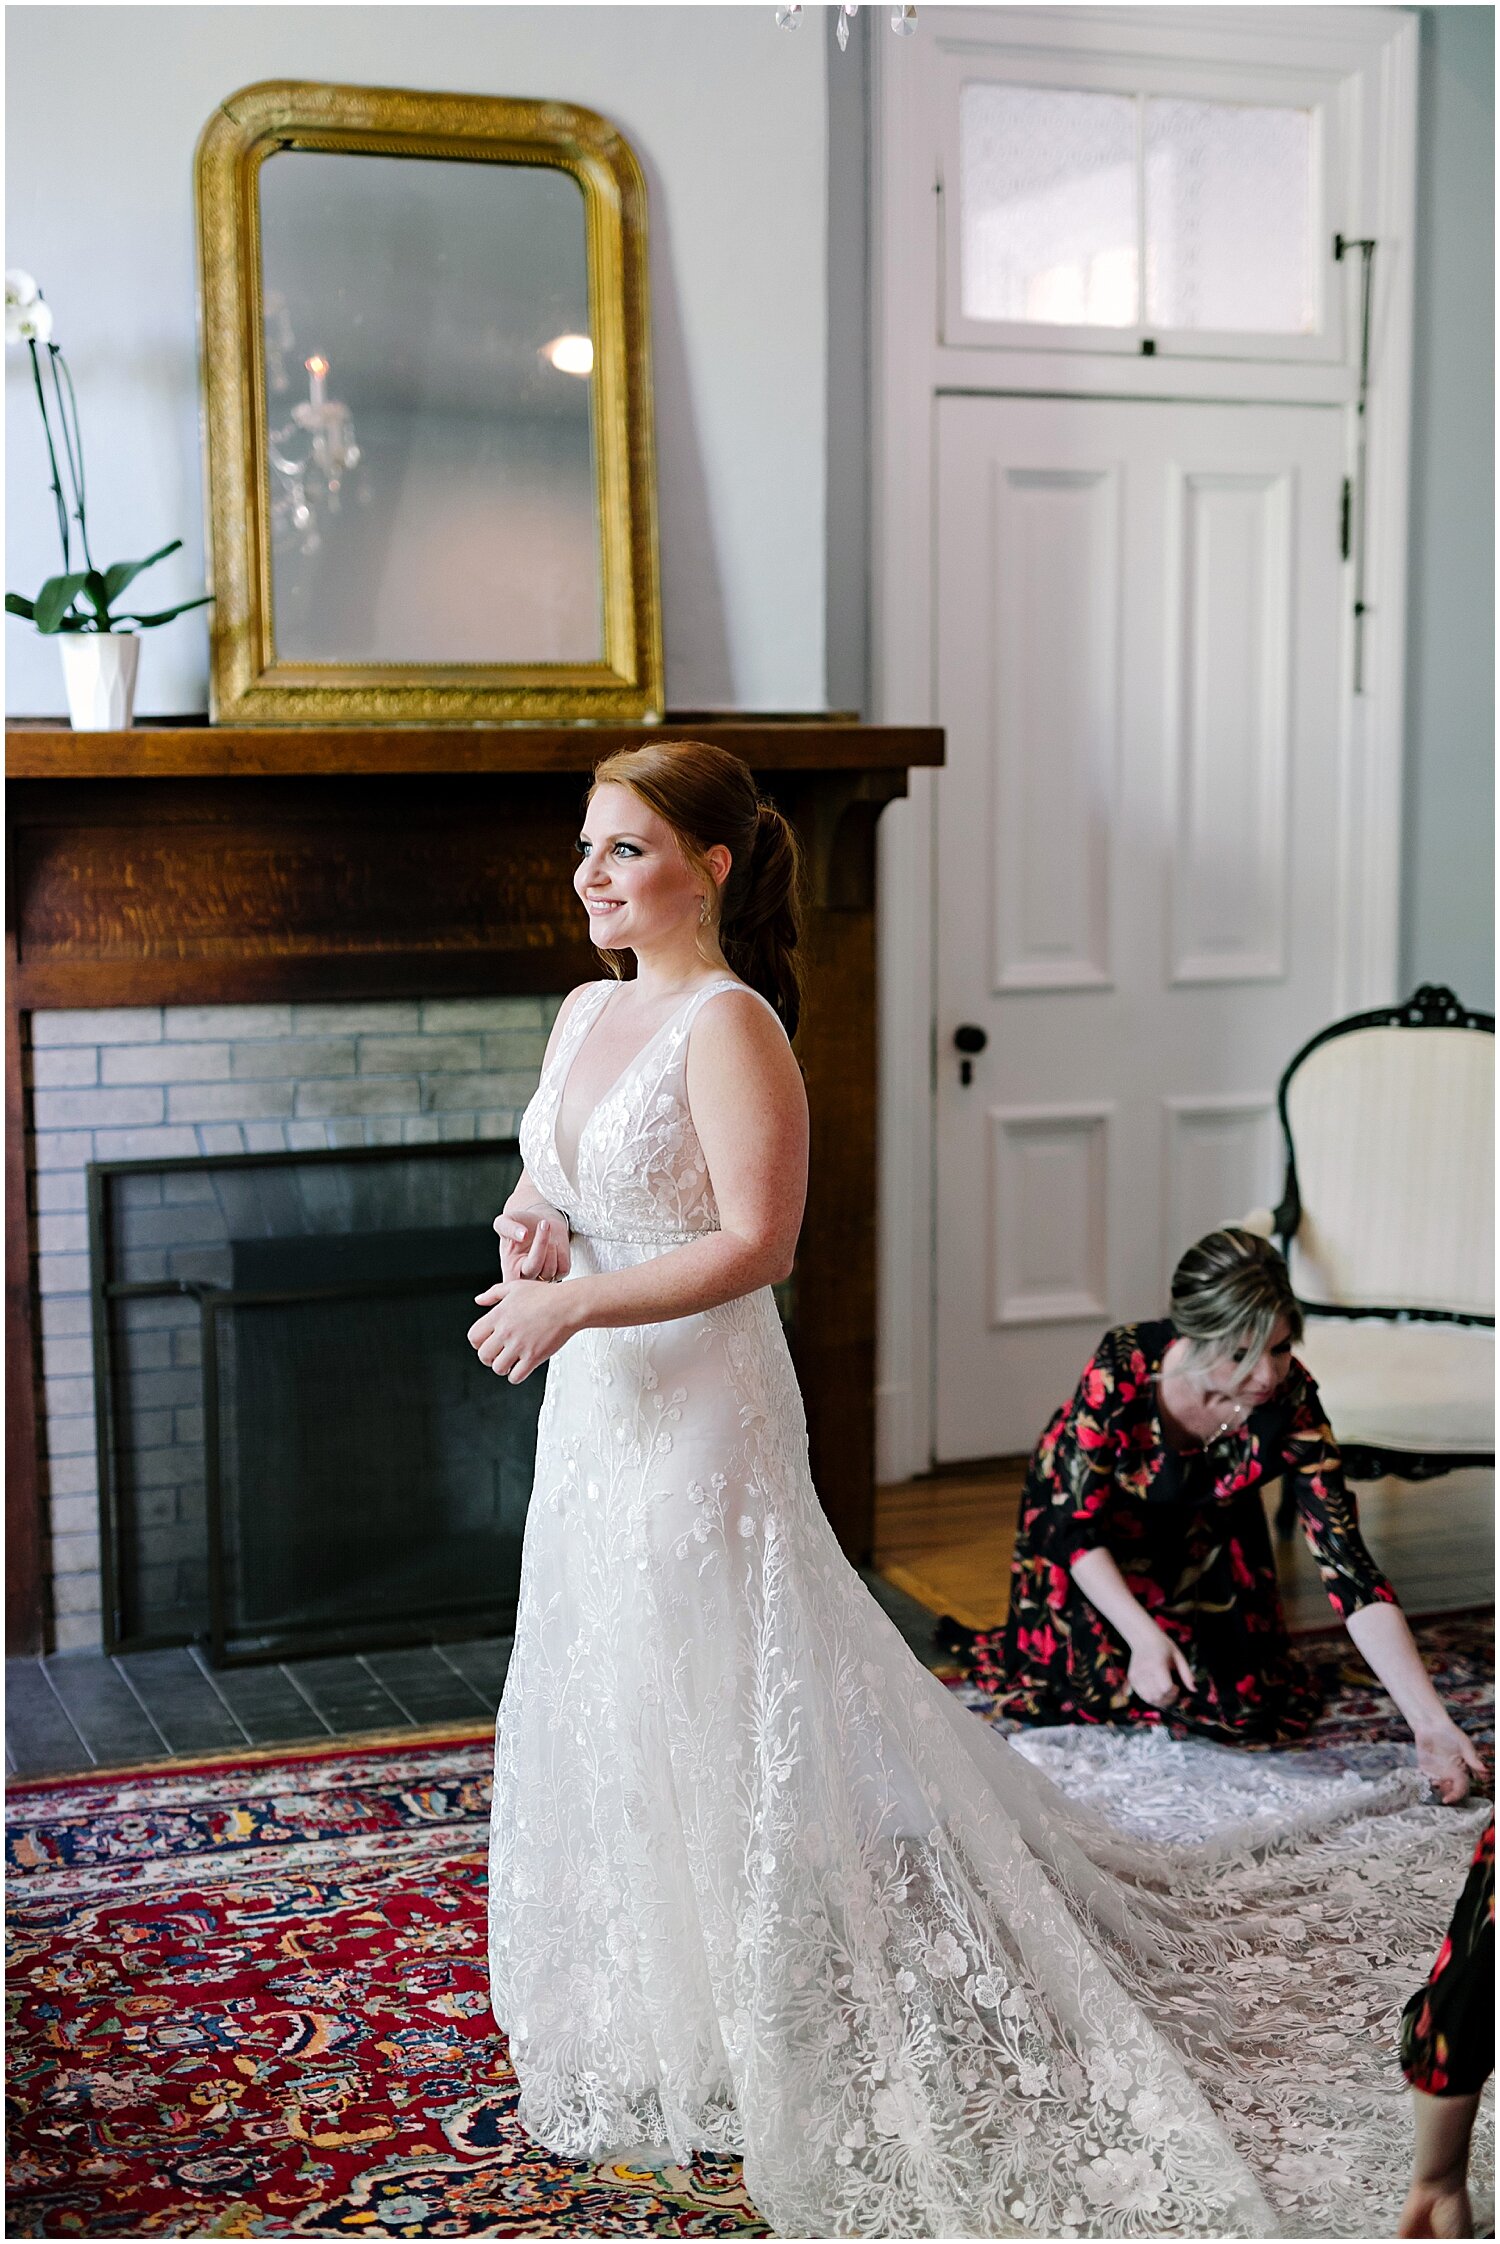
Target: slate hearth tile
x=268, y=1706
x=346, y=1695
x=427, y=1687
x=111, y=1720
x=405, y=1663
x=181, y=1701
x=40, y=1739
x=482, y=1662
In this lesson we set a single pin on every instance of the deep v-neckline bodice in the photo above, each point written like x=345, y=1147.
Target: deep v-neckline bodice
x=568, y=1060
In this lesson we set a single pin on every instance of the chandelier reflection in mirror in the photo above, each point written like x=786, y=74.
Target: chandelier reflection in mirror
x=312, y=451
x=903, y=19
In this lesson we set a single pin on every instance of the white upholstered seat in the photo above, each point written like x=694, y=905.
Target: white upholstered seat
x=1389, y=1206
x=1423, y=1389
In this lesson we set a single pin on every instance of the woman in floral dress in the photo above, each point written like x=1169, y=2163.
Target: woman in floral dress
x=1448, y=2053
x=1143, y=1585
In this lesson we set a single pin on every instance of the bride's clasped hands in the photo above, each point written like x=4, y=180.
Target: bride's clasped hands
x=527, y=1315
x=525, y=1321
x=533, y=1242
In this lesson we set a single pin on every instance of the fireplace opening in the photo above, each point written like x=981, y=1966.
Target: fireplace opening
x=298, y=1451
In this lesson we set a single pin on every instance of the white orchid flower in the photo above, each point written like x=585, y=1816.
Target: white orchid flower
x=28, y=319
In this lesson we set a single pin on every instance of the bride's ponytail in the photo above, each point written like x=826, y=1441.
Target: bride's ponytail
x=707, y=796
x=761, y=919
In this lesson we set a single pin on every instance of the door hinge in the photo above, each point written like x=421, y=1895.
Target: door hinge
x=1346, y=515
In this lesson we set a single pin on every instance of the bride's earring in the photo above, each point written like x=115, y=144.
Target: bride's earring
x=703, y=911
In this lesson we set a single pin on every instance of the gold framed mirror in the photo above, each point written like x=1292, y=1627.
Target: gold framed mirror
x=427, y=411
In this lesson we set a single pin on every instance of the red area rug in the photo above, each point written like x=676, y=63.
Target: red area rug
x=248, y=1999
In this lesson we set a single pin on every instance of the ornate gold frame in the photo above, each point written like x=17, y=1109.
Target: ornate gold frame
x=248, y=685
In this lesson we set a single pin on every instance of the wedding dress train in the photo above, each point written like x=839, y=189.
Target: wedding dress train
x=760, y=1885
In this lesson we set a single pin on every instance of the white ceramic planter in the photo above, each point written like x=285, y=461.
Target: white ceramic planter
x=99, y=671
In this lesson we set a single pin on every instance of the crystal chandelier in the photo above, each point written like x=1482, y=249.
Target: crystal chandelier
x=313, y=452
x=903, y=19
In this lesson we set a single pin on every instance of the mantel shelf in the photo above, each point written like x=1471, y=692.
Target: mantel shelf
x=45, y=748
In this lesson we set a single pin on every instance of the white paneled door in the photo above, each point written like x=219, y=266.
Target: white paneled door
x=1139, y=646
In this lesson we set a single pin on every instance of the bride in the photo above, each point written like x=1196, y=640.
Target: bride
x=758, y=1883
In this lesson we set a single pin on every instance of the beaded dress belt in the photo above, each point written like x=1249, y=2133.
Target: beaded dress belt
x=643, y=1238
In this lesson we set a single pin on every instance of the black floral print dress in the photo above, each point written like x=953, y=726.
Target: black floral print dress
x=1448, y=2027
x=1187, y=1529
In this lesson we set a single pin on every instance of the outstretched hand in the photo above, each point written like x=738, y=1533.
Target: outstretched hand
x=533, y=1244
x=1450, y=1761
x=526, y=1320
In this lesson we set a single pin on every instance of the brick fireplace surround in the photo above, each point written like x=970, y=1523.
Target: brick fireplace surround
x=238, y=941
x=152, y=1082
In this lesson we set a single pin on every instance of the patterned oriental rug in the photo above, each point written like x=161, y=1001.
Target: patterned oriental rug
x=1459, y=1650
x=247, y=1998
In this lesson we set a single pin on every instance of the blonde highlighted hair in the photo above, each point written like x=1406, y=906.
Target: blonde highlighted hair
x=1230, y=1290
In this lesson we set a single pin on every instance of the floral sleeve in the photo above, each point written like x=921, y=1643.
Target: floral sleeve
x=1330, y=1519
x=1086, y=1444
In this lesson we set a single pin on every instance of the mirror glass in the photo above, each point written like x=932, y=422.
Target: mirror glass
x=430, y=416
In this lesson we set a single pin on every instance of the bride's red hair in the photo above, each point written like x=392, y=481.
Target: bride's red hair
x=707, y=796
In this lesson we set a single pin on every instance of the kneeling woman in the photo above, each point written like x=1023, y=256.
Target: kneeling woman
x=1143, y=1584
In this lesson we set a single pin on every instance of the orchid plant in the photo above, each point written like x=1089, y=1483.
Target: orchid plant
x=79, y=599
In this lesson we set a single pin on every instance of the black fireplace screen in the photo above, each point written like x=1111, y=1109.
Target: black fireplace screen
x=298, y=1451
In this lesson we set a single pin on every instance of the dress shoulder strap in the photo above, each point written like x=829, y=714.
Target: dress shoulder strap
x=591, y=999
x=723, y=982
x=585, y=1010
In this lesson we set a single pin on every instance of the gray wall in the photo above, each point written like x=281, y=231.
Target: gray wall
x=728, y=116
x=848, y=629
x=1448, y=884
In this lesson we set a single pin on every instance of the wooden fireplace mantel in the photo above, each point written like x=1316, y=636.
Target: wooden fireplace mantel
x=185, y=863
x=189, y=748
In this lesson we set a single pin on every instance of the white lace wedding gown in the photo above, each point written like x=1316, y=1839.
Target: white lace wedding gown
x=760, y=1885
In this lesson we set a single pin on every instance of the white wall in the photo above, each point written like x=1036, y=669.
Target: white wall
x=727, y=115
x=1448, y=853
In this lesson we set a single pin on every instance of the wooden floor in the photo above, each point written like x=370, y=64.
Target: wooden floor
x=946, y=1541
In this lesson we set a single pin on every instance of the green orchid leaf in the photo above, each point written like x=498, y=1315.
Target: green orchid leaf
x=55, y=598
x=165, y=615
x=17, y=605
x=96, y=592
x=121, y=573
